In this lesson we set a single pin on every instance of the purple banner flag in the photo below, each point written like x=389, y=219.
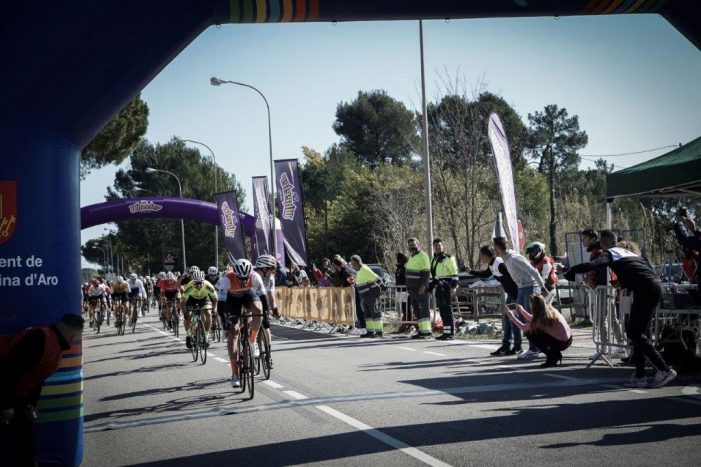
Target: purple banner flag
x=502, y=161
x=230, y=222
x=290, y=205
x=262, y=215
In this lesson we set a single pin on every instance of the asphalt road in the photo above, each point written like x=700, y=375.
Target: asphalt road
x=345, y=400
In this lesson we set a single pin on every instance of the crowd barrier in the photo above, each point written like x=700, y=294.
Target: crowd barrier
x=333, y=305
x=610, y=313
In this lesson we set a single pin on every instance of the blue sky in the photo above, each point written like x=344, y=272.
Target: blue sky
x=634, y=81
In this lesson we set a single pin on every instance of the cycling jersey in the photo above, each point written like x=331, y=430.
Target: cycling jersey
x=169, y=286
x=96, y=291
x=137, y=288
x=238, y=287
x=120, y=287
x=207, y=290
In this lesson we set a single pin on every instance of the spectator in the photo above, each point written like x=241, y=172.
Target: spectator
x=26, y=360
x=688, y=236
x=497, y=268
x=345, y=277
x=418, y=271
x=280, y=275
x=634, y=274
x=369, y=287
x=546, y=328
x=528, y=280
x=402, y=296
x=543, y=263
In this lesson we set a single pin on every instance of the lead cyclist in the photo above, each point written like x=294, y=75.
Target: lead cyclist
x=199, y=293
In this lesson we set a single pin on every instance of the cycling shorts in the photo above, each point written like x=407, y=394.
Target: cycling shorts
x=172, y=295
x=266, y=316
x=136, y=294
x=120, y=297
x=93, y=300
x=193, y=302
x=230, y=310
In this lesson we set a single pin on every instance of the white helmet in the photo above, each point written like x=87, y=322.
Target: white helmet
x=120, y=278
x=170, y=276
x=193, y=269
x=161, y=275
x=243, y=268
x=198, y=276
x=132, y=276
x=212, y=270
x=266, y=261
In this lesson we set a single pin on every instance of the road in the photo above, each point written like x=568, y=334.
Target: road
x=345, y=400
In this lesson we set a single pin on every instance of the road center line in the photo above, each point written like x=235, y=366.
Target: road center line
x=407, y=348
x=221, y=360
x=380, y=436
x=435, y=353
x=273, y=384
x=295, y=395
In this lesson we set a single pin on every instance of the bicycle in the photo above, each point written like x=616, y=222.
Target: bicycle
x=120, y=319
x=215, y=329
x=98, y=319
x=134, y=317
x=175, y=319
x=198, y=337
x=245, y=362
x=144, y=307
x=263, y=361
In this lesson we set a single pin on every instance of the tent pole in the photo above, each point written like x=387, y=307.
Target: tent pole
x=609, y=202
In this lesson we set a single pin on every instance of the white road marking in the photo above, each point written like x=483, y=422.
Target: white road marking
x=407, y=348
x=295, y=395
x=210, y=354
x=434, y=353
x=691, y=390
x=273, y=384
x=221, y=360
x=380, y=436
x=566, y=378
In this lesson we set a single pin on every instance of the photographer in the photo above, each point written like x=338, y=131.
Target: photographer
x=688, y=236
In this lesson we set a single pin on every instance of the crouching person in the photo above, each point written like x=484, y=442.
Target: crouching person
x=369, y=285
x=546, y=328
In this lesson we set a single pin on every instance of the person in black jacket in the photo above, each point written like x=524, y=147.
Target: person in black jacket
x=497, y=268
x=635, y=274
x=688, y=236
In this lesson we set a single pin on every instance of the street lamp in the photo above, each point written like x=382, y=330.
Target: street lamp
x=182, y=222
x=218, y=82
x=104, y=255
x=216, y=190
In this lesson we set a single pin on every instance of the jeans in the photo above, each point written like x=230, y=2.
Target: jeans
x=511, y=331
x=641, y=311
x=524, y=299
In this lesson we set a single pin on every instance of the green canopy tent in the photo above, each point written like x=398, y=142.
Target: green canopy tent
x=677, y=173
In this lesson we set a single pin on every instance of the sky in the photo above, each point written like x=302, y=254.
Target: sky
x=633, y=80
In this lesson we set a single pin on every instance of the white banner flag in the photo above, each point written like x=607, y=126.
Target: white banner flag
x=502, y=162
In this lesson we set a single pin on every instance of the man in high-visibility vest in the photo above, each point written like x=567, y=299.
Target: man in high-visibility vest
x=418, y=270
x=369, y=286
x=444, y=280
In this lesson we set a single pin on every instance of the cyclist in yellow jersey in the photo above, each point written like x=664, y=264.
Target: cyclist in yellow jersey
x=198, y=293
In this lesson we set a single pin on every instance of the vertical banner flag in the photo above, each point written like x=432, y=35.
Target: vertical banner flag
x=230, y=223
x=502, y=162
x=262, y=216
x=290, y=205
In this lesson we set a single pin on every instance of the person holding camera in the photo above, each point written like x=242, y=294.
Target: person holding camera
x=636, y=275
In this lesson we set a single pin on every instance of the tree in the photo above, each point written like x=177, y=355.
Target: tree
x=377, y=128
x=117, y=139
x=143, y=242
x=555, y=139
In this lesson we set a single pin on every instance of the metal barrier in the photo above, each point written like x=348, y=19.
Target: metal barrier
x=577, y=298
x=611, y=311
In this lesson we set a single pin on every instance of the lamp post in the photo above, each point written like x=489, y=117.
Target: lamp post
x=182, y=222
x=427, y=157
x=104, y=256
x=217, y=82
x=216, y=190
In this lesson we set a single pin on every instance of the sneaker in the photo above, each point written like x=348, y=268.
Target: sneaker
x=500, y=351
x=528, y=355
x=256, y=350
x=636, y=383
x=235, y=383
x=515, y=351
x=188, y=342
x=663, y=377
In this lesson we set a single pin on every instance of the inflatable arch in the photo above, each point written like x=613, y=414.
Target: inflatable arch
x=73, y=66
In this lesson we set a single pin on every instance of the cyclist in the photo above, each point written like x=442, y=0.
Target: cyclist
x=236, y=289
x=108, y=297
x=120, y=289
x=170, y=292
x=96, y=294
x=148, y=285
x=187, y=276
x=138, y=292
x=199, y=293
x=265, y=268
x=157, y=290
x=213, y=278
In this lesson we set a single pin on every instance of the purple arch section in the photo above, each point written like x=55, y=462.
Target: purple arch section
x=156, y=207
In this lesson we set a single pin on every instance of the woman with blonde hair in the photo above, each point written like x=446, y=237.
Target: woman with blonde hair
x=545, y=328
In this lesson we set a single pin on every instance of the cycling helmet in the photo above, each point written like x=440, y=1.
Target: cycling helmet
x=212, y=271
x=132, y=276
x=170, y=276
x=193, y=269
x=243, y=268
x=198, y=276
x=161, y=275
x=95, y=282
x=266, y=261
x=120, y=279
x=535, y=250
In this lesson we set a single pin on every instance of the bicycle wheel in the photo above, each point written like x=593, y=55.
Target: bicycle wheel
x=250, y=374
x=243, y=349
x=176, y=323
x=98, y=321
x=194, y=339
x=265, y=355
x=260, y=357
x=203, y=344
x=134, y=318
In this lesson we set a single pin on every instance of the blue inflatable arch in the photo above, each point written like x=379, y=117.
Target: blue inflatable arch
x=72, y=65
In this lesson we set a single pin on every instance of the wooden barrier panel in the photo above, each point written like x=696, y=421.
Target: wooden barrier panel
x=335, y=305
